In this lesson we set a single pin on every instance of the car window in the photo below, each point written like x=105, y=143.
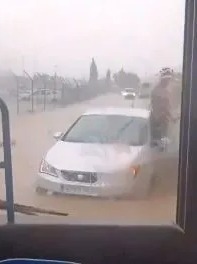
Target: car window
x=129, y=90
x=59, y=59
x=135, y=133
x=107, y=129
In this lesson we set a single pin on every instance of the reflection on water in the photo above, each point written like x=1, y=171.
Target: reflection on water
x=26, y=163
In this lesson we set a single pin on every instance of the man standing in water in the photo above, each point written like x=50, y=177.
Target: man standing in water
x=161, y=111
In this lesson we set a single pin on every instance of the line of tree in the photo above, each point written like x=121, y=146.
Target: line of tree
x=93, y=72
x=122, y=79
x=126, y=79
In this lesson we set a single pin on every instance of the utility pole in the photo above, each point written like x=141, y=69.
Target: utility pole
x=17, y=91
x=32, y=90
x=55, y=83
x=45, y=87
x=23, y=63
x=43, y=78
x=17, y=95
x=64, y=83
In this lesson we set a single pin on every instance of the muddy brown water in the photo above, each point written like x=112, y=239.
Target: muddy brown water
x=33, y=136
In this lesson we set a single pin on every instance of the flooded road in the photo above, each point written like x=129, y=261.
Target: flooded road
x=34, y=135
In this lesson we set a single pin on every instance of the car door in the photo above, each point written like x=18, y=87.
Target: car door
x=146, y=157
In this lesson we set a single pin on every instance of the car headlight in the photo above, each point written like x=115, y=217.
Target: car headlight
x=48, y=169
x=135, y=170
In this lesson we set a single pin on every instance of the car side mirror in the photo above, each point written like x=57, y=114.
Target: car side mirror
x=161, y=144
x=58, y=135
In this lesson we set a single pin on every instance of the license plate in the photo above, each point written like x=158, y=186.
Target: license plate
x=74, y=190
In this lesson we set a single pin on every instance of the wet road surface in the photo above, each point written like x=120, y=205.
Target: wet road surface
x=33, y=135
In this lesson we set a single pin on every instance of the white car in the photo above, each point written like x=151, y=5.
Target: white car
x=106, y=152
x=24, y=96
x=145, y=90
x=129, y=93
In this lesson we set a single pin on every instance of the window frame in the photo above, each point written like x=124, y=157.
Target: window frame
x=114, y=244
x=186, y=197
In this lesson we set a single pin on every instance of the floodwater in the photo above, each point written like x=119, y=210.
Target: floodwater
x=33, y=134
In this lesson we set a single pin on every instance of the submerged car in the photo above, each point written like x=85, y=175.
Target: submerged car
x=106, y=152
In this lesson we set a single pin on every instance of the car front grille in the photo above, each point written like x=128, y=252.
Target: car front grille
x=78, y=176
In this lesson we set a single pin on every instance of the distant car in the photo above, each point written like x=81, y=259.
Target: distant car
x=24, y=96
x=43, y=92
x=145, y=90
x=129, y=93
x=106, y=152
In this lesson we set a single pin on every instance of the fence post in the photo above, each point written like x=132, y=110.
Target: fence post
x=32, y=95
x=17, y=96
x=44, y=94
x=17, y=92
x=32, y=90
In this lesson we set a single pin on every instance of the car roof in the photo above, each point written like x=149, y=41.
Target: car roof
x=138, y=112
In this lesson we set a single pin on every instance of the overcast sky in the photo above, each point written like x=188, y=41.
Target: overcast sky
x=140, y=35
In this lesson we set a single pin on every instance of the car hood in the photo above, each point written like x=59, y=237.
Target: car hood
x=91, y=157
x=128, y=92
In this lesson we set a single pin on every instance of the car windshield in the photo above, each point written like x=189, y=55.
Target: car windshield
x=61, y=58
x=129, y=89
x=108, y=129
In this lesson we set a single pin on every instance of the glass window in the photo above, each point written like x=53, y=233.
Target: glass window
x=107, y=129
x=69, y=66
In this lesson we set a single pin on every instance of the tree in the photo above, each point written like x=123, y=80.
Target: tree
x=93, y=72
x=108, y=78
x=108, y=75
x=126, y=79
